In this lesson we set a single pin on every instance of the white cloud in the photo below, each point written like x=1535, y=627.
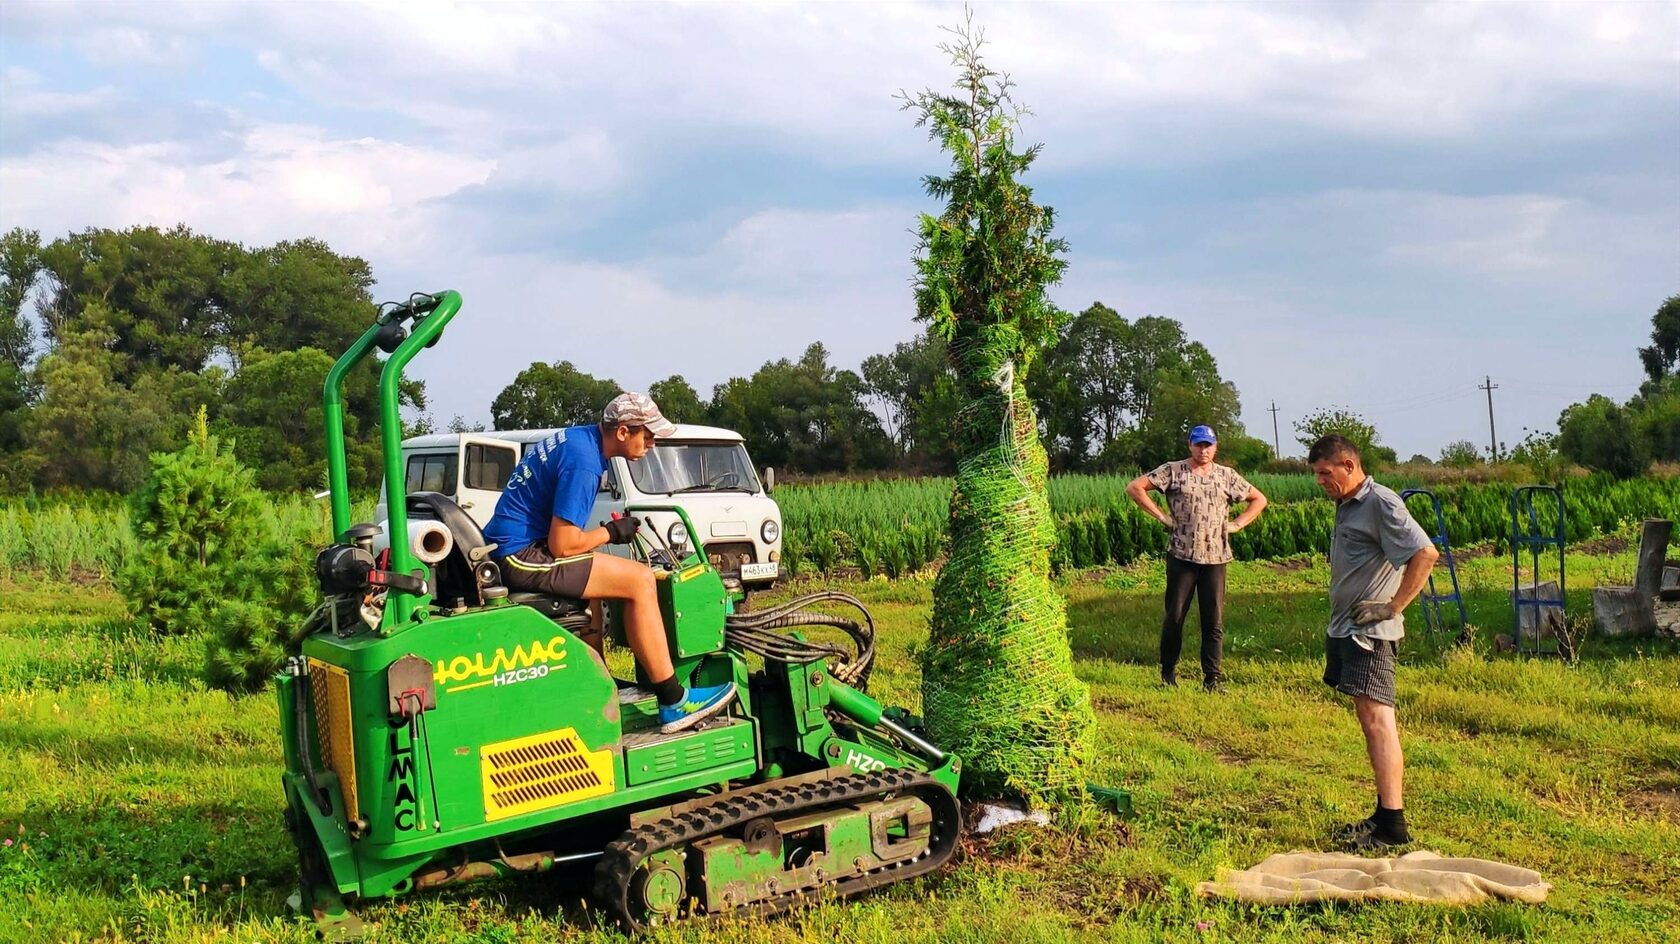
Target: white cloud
x=641, y=322
x=799, y=253
x=23, y=95
x=280, y=182
x=818, y=78
x=1503, y=235
x=430, y=138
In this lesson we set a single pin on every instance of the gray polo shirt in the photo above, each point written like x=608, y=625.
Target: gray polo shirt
x=1374, y=538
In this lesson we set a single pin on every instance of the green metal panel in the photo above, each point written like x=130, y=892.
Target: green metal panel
x=626, y=797
x=690, y=752
x=694, y=602
x=500, y=674
x=335, y=847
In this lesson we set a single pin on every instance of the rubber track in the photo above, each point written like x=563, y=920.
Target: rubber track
x=624, y=855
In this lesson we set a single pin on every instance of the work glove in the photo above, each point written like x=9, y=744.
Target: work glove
x=622, y=530
x=1372, y=611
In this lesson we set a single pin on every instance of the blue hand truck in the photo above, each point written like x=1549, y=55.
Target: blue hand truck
x=1536, y=539
x=1431, y=599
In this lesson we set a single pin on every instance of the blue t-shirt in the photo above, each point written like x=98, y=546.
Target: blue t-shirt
x=558, y=478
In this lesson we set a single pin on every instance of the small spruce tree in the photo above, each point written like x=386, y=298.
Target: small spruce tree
x=206, y=565
x=197, y=515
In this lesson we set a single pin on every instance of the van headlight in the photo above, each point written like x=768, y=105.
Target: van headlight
x=770, y=531
x=677, y=535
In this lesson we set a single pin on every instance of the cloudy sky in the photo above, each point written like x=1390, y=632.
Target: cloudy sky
x=1371, y=206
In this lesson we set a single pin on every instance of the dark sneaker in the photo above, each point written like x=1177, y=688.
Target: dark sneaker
x=697, y=705
x=1365, y=836
x=1215, y=687
x=1170, y=681
x=1340, y=835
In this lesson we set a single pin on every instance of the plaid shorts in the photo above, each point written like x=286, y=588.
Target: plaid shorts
x=1351, y=669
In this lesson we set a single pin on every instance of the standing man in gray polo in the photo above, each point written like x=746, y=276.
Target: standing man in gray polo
x=1200, y=494
x=1379, y=561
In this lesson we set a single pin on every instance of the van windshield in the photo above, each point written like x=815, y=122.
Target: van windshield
x=694, y=467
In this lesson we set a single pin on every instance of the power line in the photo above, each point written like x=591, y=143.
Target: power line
x=1444, y=399
x=1622, y=385
x=1492, y=440
x=1432, y=395
x=1277, y=444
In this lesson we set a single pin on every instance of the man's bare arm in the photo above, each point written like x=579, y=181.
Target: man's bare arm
x=1414, y=577
x=1139, y=490
x=1256, y=503
x=568, y=540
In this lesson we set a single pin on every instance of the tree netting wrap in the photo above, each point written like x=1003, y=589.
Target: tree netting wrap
x=998, y=686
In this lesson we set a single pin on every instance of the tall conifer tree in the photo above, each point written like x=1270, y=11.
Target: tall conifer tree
x=997, y=673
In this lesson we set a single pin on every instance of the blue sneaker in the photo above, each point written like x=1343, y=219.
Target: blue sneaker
x=697, y=705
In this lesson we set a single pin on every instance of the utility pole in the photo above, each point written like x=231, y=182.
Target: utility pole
x=1493, y=441
x=1277, y=444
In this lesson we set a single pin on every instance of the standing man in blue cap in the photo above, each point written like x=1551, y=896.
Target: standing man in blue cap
x=1200, y=495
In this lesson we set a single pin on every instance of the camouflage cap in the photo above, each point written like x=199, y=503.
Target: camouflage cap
x=637, y=409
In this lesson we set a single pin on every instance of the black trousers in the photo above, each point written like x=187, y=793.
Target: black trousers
x=1207, y=583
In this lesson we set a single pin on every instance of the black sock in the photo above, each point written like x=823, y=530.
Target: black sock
x=670, y=691
x=1391, y=824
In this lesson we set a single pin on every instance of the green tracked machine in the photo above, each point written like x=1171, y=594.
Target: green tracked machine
x=438, y=729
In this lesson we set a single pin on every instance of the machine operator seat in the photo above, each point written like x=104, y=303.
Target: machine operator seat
x=455, y=573
x=555, y=608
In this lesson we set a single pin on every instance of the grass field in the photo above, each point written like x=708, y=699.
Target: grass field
x=141, y=807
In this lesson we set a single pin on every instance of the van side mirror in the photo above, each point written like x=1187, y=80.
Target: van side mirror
x=769, y=480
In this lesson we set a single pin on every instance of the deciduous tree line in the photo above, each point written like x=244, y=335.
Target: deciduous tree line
x=111, y=340
x=1110, y=394
x=134, y=330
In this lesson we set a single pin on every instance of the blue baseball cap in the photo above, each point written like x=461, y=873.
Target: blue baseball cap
x=1203, y=434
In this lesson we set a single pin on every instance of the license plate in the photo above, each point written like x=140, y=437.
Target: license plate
x=759, y=571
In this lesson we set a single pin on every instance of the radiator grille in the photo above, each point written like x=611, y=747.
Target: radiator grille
x=541, y=771
x=329, y=687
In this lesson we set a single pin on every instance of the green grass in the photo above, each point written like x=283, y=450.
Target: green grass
x=150, y=807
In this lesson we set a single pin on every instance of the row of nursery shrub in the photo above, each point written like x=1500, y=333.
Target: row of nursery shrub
x=895, y=537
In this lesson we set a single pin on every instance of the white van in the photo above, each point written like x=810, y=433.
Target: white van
x=704, y=469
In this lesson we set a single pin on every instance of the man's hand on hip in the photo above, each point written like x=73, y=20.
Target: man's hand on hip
x=1372, y=611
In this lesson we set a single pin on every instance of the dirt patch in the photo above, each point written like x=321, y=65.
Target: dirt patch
x=85, y=577
x=1608, y=544
x=1288, y=564
x=1657, y=803
x=1143, y=888
x=1602, y=545
x=1112, y=704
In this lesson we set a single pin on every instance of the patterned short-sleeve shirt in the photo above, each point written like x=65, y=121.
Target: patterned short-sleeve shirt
x=1201, y=505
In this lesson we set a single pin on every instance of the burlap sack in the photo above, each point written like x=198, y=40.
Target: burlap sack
x=1422, y=876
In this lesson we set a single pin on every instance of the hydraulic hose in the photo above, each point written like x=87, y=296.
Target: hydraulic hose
x=760, y=633
x=300, y=712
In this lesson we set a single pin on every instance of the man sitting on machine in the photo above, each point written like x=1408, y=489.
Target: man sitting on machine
x=543, y=547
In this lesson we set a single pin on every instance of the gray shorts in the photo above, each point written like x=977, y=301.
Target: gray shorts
x=1352, y=670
